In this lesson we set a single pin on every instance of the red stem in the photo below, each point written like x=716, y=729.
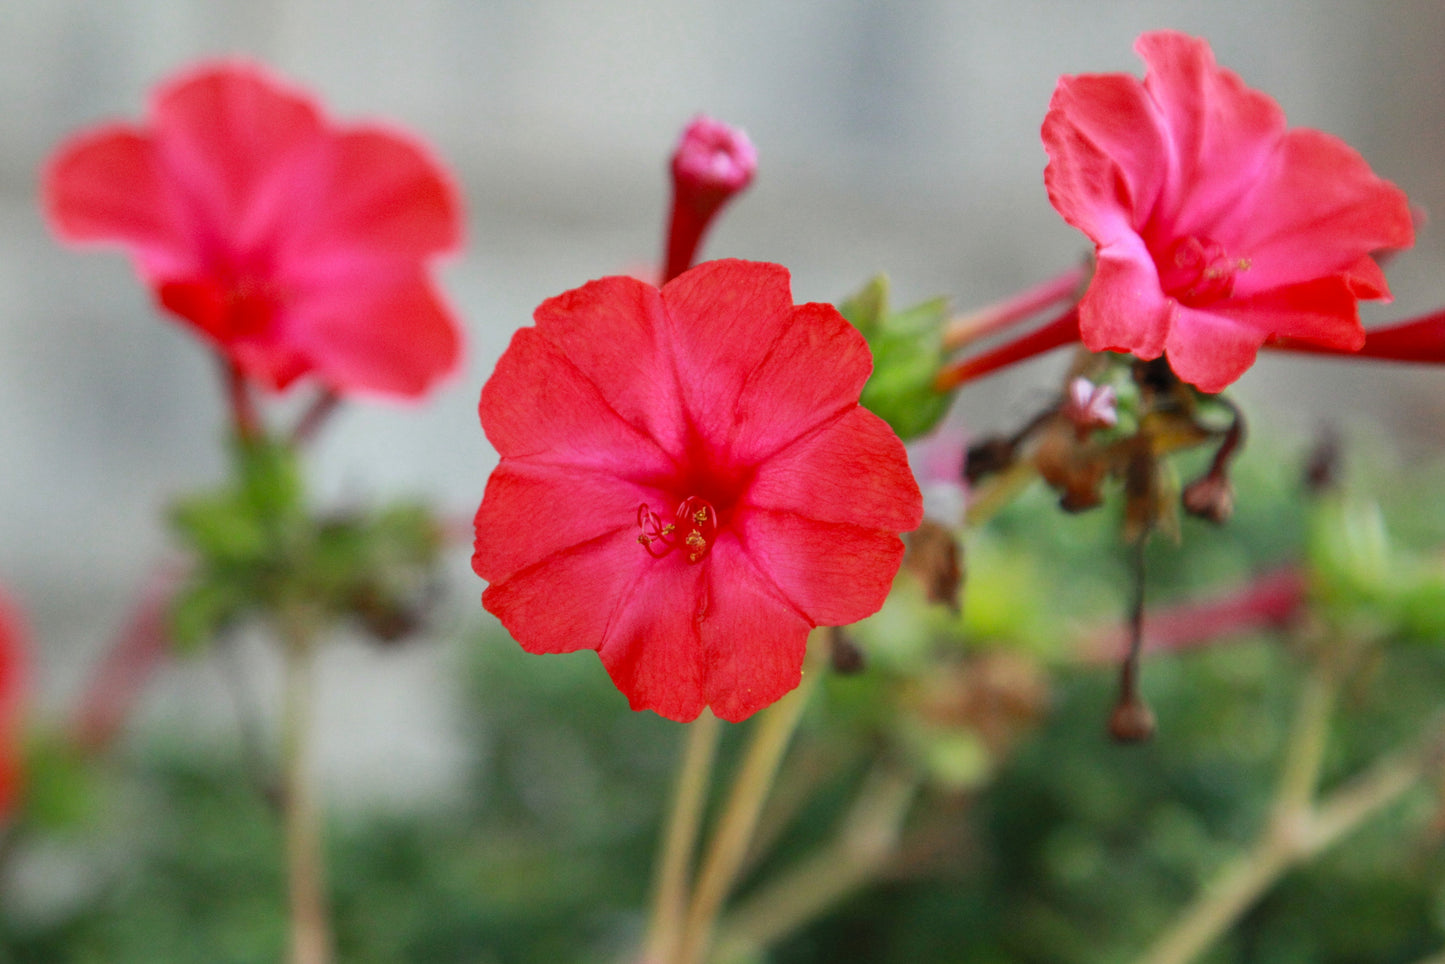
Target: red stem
x=134, y=654
x=243, y=407
x=691, y=217
x=1063, y=330
x=967, y=329
x=1271, y=600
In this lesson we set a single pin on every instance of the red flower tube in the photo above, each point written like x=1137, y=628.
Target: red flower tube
x=1215, y=226
x=295, y=246
x=680, y=491
x=713, y=162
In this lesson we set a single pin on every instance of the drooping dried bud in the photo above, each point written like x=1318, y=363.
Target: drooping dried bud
x=987, y=457
x=934, y=557
x=1131, y=721
x=713, y=162
x=845, y=656
x=1210, y=497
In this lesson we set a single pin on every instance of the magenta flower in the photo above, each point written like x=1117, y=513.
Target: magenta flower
x=294, y=246
x=688, y=485
x=1215, y=227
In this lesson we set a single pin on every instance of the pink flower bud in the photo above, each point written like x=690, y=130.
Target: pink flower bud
x=713, y=162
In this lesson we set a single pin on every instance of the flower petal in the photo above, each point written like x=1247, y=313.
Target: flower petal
x=653, y=649
x=1222, y=134
x=386, y=196
x=832, y=572
x=388, y=332
x=753, y=640
x=854, y=471
x=1211, y=350
x=245, y=149
x=611, y=332
x=539, y=406
x=725, y=318
x=532, y=511
x=1315, y=211
x=1124, y=308
x=107, y=185
x=1108, y=157
x=782, y=396
x=567, y=601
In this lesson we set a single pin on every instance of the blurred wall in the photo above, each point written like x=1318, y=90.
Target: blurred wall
x=899, y=137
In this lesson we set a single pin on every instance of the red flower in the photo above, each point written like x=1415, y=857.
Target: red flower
x=295, y=246
x=1216, y=227
x=688, y=485
x=12, y=688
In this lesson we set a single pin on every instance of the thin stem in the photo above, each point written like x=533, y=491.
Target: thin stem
x=1063, y=330
x=966, y=329
x=244, y=419
x=862, y=849
x=1419, y=340
x=734, y=833
x=1297, y=829
x=670, y=890
x=310, y=926
x=322, y=407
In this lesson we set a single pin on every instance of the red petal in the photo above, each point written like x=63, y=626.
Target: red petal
x=531, y=511
x=245, y=149
x=832, y=572
x=1108, y=157
x=753, y=639
x=539, y=406
x=1322, y=312
x=568, y=601
x=107, y=185
x=388, y=333
x=611, y=333
x=1222, y=134
x=653, y=650
x=783, y=398
x=1316, y=211
x=386, y=196
x=1124, y=308
x=1211, y=351
x=725, y=319
x=854, y=471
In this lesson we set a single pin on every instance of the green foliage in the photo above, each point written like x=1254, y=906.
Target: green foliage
x=907, y=355
x=259, y=551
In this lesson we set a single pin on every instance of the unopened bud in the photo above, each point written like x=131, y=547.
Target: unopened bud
x=845, y=655
x=1089, y=406
x=1131, y=721
x=713, y=162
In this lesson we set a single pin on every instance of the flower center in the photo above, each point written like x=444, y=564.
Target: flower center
x=1198, y=271
x=693, y=529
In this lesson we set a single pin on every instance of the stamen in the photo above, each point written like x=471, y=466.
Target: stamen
x=694, y=515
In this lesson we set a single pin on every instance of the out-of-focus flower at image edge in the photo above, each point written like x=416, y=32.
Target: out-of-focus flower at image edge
x=13, y=661
x=295, y=246
x=682, y=489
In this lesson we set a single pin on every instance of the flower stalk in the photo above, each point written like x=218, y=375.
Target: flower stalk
x=1061, y=331
x=967, y=329
x=310, y=941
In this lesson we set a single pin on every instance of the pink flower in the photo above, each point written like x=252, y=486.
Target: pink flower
x=1215, y=226
x=295, y=246
x=688, y=485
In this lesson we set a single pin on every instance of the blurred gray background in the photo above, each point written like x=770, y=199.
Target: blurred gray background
x=895, y=137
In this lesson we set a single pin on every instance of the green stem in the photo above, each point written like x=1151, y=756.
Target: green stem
x=310, y=926
x=1298, y=828
x=734, y=833
x=863, y=847
x=670, y=892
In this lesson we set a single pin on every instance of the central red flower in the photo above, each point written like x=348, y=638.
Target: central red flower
x=12, y=693
x=294, y=246
x=1215, y=226
x=688, y=485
